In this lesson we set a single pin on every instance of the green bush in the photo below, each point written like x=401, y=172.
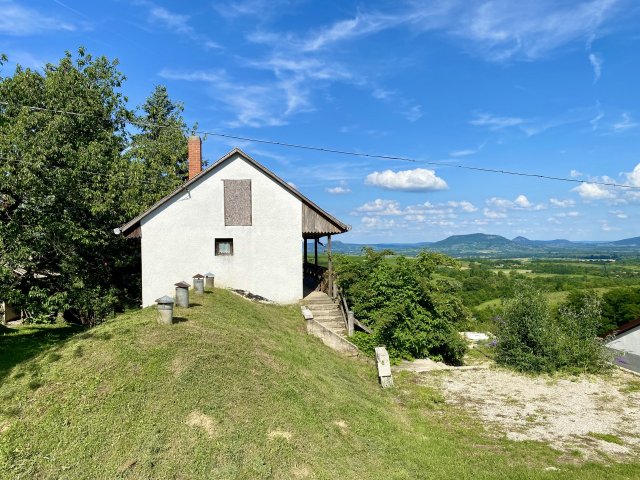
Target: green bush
x=531, y=339
x=412, y=310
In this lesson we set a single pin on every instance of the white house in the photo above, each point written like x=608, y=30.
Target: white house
x=235, y=219
x=624, y=341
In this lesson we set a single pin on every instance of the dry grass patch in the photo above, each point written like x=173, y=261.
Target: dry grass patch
x=573, y=414
x=198, y=419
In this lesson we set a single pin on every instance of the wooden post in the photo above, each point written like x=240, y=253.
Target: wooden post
x=330, y=265
x=315, y=249
x=305, y=251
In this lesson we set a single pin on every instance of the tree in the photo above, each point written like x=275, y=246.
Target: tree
x=158, y=153
x=413, y=311
x=61, y=181
x=531, y=339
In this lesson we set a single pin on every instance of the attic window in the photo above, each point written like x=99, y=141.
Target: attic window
x=237, y=202
x=224, y=246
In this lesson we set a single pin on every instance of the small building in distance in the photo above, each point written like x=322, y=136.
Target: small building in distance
x=624, y=342
x=236, y=219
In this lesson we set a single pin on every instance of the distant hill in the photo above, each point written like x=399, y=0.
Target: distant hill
x=631, y=242
x=473, y=239
x=482, y=245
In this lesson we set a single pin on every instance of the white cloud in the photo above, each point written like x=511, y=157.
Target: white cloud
x=633, y=177
x=503, y=29
x=413, y=113
x=568, y=203
x=596, y=63
x=591, y=191
x=498, y=30
x=176, y=23
x=625, y=123
x=380, y=207
x=576, y=173
x=292, y=185
x=252, y=105
x=493, y=214
x=462, y=153
x=619, y=214
x=417, y=180
x=17, y=20
x=462, y=205
x=495, y=122
x=522, y=202
x=606, y=227
x=378, y=223
x=338, y=190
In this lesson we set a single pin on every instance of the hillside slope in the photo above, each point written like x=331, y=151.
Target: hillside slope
x=237, y=390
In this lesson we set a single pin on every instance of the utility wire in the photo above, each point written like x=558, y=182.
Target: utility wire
x=346, y=152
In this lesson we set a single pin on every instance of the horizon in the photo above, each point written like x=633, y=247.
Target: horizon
x=337, y=239
x=542, y=87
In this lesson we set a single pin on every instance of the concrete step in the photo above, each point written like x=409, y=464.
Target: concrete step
x=328, y=318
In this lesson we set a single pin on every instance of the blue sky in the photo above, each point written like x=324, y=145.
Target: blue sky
x=545, y=86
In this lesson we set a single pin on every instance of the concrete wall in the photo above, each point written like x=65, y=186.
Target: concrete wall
x=627, y=342
x=331, y=339
x=178, y=239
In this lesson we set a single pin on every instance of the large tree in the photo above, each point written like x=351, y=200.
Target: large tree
x=158, y=153
x=69, y=173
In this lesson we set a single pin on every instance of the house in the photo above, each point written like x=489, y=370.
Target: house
x=624, y=342
x=236, y=219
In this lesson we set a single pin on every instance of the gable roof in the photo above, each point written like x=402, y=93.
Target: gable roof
x=131, y=228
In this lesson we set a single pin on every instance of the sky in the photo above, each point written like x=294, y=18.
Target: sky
x=546, y=87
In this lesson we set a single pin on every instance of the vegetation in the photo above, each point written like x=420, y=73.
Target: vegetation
x=237, y=390
x=531, y=339
x=411, y=310
x=69, y=179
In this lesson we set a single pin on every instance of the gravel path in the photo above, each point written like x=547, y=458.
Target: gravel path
x=590, y=414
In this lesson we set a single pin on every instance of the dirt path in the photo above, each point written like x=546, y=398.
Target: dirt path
x=590, y=414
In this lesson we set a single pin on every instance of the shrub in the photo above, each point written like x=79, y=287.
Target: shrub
x=531, y=339
x=411, y=309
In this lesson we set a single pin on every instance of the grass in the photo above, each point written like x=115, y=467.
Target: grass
x=607, y=437
x=236, y=390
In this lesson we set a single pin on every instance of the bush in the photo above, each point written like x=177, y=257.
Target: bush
x=411, y=309
x=531, y=339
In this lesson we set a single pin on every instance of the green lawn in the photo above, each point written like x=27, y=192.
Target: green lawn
x=236, y=390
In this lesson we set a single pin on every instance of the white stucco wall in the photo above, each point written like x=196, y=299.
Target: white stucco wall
x=178, y=239
x=627, y=342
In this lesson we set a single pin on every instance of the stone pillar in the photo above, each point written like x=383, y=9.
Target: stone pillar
x=182, y=294
x=165, y=310
x=384, y=367
x=198, y=283
x=350, y=321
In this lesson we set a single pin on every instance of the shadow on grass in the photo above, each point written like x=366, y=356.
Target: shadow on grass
x=20, y=344
x=180, y=319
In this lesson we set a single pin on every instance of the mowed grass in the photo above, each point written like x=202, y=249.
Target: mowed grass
x=237, y=389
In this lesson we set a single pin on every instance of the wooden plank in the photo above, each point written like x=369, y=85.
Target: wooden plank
x=312, y=222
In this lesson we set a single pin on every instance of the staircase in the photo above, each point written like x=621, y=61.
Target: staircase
x=325, y=312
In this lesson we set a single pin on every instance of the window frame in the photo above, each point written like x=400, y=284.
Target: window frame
x=219, y=241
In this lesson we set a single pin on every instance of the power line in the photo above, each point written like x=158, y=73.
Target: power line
x=346, y=152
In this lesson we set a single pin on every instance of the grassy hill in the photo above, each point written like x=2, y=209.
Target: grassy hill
x=235, y=390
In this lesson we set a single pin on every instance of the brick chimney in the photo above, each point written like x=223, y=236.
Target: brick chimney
x=195, y=156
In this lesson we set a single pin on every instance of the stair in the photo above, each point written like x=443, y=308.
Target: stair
x=325, y=312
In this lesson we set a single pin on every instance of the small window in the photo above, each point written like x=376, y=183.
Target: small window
x=224, y=246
